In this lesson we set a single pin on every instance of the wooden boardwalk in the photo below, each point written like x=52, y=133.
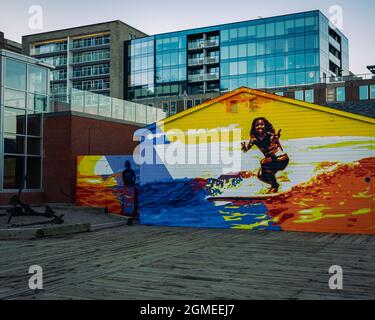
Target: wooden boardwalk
x=141, y=262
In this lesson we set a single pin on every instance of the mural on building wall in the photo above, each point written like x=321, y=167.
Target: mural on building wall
x=300, y=167
x=108, y=182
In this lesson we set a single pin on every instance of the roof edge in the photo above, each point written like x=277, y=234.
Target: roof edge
x=270, y=96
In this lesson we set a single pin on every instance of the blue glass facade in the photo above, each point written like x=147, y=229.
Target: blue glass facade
x=296, y=49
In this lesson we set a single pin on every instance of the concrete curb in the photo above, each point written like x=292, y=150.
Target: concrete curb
x=61, y=230
x=35, y=233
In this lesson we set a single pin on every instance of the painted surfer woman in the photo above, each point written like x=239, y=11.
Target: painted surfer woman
x=263, y=135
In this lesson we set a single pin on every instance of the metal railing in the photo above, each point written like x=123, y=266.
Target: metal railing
x=195, y=61
x=101, y=105
x=49, y=49
x=209, y=60
x=89, y=58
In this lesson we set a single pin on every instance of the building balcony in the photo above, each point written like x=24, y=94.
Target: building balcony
x=75, y=46
x=211, y=60
x=203, y=77
x=80, y=74
x=47, y=50
x=196, y=77
x=83, y=59
x=203, y=44
x=211, y=43
x=58, y=76
x=211, y=76
x=196, y=62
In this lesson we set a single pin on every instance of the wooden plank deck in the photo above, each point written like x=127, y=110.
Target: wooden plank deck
x=142, y=262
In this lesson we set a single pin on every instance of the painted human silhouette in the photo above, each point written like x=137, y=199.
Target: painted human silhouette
x=263, y=135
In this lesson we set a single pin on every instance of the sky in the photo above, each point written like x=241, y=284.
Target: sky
x=159, y=16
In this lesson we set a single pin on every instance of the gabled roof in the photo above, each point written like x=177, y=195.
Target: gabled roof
x=266, y=95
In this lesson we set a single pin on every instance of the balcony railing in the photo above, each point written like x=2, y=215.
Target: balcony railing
x=211, y=76
x=89, y=58
x=97, y=43
x=211, y=43
x=92, y=87
x=196, y=45
x=196, y=77
x=195, y=61
x=203, y=44
x=46, y=50
x=203, y=77
x=101, y=105
x=88, y=74
x=210, y=60
x=58, y=76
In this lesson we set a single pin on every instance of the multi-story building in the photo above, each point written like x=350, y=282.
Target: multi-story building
x=180, y=69
x=87, y=58
x=353, y=93
x=9, y=44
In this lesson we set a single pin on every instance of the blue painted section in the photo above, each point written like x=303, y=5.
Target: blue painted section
x=182, y=203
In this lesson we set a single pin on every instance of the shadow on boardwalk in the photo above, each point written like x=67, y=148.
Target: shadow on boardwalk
x=142, y=262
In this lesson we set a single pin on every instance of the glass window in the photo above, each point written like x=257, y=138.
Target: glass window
x=311, y=60
x=252, y=82
x=251, y=49
x=280, y=63
x=224, y=53
x=14, y=121
x=261, y=30
x=289, y=44
x=233, y=51
x=261, y=82
x=280, y=80
x=310, y=24
x=233, y=84
x=299, y=25
x=14, y=144
x=270, y=29
x=290, y=78
x=270, y=64
x=340, y=94
x=280, y=46
x=33, y=146
x=298, y=95
x=224, y=35
x=363, y=93
x=372, y=92
x=14, y=171
x=290, y=62
x=301, y=77
x=15, y=74
x=261, y=48
x=260, y=65
x=311, y=42
x=242, y=32
x=233, y=68
x=242, y=50
x=252, y=66
x=34, y=124
x=37, y=102
x=300, y=61
x=309, y=96
x=33, y=169
x=280, y=28
x=300, y=43
x=270, y=46
x=289, y=26
x=251, y=32
x=233, y=33
x=242, y=67
x=13, y=98
x=270, y=81
x=224, y=69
